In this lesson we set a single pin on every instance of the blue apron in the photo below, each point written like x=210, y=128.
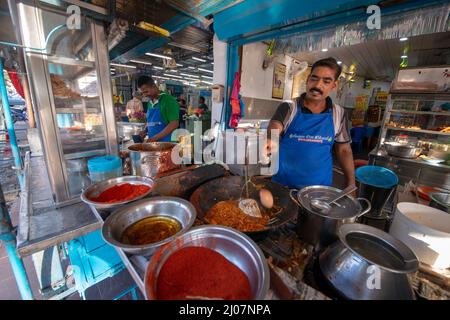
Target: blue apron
x=155, y=122
x=305, y=151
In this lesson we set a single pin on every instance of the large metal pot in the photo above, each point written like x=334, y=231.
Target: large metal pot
x=151, y=159
x=320, y=229
x=368, y=264
x=402, y=150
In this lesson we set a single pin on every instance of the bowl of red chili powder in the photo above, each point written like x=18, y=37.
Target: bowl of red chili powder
x=116, y=192
x=208, y=262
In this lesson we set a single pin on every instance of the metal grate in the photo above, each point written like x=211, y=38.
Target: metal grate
x=135, y=11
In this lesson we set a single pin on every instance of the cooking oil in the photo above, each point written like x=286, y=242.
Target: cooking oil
x=150, y=230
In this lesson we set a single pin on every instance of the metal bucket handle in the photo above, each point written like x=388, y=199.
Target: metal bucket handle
x=293, y=198
x=369, y=206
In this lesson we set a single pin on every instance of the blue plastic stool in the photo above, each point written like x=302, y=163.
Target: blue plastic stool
x=358, y=134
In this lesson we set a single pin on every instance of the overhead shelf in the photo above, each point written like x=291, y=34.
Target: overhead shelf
x=421, y=112
x=77, y=110
x=70, y=62
x=419, y=131
x=85, y=154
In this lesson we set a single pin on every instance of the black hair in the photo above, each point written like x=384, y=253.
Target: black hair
x=202, y=98
x=329, y=63
x=145, y=80
x=182, y=100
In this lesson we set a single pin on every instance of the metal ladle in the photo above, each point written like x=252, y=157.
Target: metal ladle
x=247, y=205
x=324, y=206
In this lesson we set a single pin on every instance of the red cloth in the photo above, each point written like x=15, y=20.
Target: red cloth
x=236, y=113
x=16, y=83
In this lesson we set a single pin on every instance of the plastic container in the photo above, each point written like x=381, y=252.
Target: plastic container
x=426, y=231
x=104, y=168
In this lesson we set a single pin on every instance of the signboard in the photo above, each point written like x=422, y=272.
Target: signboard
x=279, y=76
x=359, y=113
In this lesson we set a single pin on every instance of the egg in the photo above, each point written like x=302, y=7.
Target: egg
x=266, y=198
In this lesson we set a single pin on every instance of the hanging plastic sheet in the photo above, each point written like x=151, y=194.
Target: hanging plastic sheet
x=412, y=23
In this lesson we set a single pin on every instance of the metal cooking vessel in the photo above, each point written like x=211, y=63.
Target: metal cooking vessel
x=369, y=264
x=235, y=246
x=441, y=201
x=320, y=229
x=120, y=219
x=95, y=190
x=230, y=188
x=151, y=159
x=402, y=150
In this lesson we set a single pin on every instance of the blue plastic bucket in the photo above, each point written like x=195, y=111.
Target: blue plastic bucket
x=104, y=168
x=375, y=176
x=376, y=184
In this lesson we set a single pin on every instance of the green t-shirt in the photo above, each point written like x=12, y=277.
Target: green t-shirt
x=170, y=109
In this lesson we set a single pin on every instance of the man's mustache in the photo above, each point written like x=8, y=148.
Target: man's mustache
x=316, y=89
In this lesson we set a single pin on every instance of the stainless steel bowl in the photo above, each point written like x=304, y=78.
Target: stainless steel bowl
x=232, y=244
x=119, y=220
x=96, y=189
x=402, y=150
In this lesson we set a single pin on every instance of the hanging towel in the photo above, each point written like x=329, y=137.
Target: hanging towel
x=16, y=83
x=236, y=113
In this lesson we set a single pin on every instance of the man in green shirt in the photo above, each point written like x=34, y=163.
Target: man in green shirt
x=162, y=112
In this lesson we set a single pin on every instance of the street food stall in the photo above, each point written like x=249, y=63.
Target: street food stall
x=194, y=227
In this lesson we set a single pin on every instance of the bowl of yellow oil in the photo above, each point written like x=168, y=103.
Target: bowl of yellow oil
x=142, y=227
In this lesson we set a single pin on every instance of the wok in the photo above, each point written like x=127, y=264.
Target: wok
x=229, y=188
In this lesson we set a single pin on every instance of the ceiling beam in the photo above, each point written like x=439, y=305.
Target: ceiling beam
x=175, y=24
x=88, y=6
x=188, y=47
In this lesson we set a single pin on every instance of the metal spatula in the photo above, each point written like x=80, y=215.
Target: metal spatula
x=248, y=206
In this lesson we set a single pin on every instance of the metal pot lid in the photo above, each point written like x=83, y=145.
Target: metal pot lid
x=346, y=207
x=441, y=198
x=378, y=248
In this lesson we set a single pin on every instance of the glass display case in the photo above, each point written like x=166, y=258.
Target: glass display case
x=415, y=135
x=422, y=119
x=71, y=87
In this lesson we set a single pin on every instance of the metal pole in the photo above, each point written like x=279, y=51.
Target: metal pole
x=20, y=57
x=10, y=124
x=9, y=240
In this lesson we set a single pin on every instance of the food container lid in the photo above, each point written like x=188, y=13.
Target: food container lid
x=346, y=207
x=104, y=164
x=376, y=176
x=441, y=198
